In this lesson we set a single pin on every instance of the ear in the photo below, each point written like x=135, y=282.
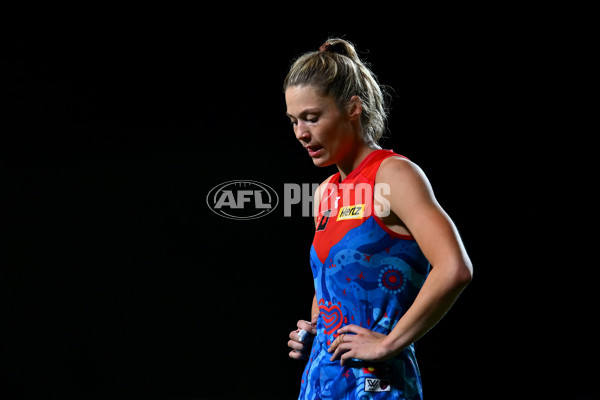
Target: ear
x=354, y=107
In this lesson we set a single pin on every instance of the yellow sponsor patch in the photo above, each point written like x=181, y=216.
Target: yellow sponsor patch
x=351, y=212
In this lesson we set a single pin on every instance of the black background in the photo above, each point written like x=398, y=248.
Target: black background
x=120, y=281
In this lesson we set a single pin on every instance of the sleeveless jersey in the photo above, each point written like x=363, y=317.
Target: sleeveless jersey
x=364, y=274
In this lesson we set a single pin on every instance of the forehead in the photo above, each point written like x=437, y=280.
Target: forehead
x=300, y=98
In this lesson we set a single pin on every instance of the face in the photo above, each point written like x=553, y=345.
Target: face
x=324, y=129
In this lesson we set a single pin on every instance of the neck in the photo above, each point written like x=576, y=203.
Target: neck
x=354, y=159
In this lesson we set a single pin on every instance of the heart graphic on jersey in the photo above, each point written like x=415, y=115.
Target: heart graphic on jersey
x=332, y=318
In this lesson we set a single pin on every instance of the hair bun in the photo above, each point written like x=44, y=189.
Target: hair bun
x=333, y=47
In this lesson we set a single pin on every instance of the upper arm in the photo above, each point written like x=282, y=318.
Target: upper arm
x=412, y=200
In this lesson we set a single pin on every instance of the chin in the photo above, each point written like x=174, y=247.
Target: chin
x=322, y=162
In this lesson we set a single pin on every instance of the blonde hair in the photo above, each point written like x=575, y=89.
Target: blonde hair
x=336, y=70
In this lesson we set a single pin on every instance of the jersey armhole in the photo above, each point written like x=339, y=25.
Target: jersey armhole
x=391, y=232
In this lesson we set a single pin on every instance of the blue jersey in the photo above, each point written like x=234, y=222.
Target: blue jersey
x=367, y=275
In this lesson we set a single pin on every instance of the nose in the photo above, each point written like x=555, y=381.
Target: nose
x=302, y=132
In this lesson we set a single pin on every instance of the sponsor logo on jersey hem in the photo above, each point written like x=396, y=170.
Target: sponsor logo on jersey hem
x=377, y=385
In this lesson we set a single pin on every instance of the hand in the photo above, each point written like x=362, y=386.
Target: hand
x=301, y=348
x=361, y=343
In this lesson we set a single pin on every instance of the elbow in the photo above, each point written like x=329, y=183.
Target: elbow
x=456, y=274
x=459, y=274
x=463, y=273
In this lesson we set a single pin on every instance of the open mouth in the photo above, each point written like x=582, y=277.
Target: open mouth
x=314, y=151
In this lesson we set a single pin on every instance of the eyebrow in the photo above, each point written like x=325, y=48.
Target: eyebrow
x=313, y=110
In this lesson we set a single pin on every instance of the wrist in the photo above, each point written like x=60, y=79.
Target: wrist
x=392, y=345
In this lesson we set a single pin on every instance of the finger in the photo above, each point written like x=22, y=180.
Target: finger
x=341, y=339
x=340, y=351
x=307, y=326
x=296, y=336
x=346, y=356
x=334, y=344
x=338, y=344
x=296, y=355
x=292, y=344
x=350, y=329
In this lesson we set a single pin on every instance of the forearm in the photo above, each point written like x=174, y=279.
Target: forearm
x=440, y=290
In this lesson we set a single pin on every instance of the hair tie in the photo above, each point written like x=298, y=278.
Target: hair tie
x=333, y=47
x=326, y=47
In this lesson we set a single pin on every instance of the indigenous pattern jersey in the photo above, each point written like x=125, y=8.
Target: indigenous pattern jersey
x=367, y=275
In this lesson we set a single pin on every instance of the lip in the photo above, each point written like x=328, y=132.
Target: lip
x=314, y=151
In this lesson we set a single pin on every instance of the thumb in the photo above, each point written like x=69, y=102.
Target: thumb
x=314, y=320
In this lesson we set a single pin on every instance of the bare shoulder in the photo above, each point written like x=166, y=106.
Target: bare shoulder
x=396, y=162
x=402, y=173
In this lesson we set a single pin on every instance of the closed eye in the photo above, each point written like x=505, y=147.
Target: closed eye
x=310, y=116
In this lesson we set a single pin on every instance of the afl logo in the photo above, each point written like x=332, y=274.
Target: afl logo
x=242, y=199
